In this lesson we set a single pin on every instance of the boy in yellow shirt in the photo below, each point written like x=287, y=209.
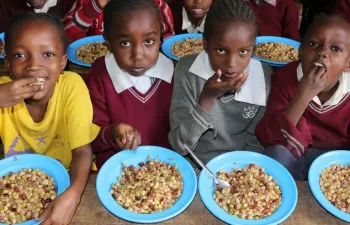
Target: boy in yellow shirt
x=44, y=110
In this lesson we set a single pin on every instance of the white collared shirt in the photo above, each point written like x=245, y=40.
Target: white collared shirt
x=343, y=88
x=48, y=4
x=252, y=91
x=187, y=25
x=163, y=69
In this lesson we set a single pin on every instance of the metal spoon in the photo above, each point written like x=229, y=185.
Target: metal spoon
x=219, y=184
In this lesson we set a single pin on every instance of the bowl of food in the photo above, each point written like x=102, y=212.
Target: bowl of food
x=2, y=45
x=256, y=195
x=329, y=182
x=85, y=51
x=149, y=185
x=27, y=183
x=276, y=51
x=181, y=45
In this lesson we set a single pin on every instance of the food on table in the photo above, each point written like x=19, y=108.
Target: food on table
x=276, y=52
x=23, y=195
x=90, y=52
x=335, y=185
x=187, y=47
x=252, y=195
x=153, y=187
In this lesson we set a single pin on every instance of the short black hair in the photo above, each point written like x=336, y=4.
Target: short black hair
x=115, y=8
x=22, y=18
x=228, y=10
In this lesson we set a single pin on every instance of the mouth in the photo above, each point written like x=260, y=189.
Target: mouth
x=320, y=65
x=38, y=5
x=41, y=81
x=197, y=11
x=138, y=69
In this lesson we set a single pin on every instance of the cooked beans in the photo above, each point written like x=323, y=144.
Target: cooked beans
x=276, y=52
x=24, y=195
x=252, y=195
x=90, y=52
x=188, y=47
x=335, y=185
x=153, y=187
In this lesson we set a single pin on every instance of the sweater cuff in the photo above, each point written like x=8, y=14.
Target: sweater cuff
x=203, y=119
x=106, y=137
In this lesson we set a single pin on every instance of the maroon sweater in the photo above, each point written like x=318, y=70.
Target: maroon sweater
x=9, y=8
x=280, y=20
x=343, y=8
x=148, y=113
x=326, y=127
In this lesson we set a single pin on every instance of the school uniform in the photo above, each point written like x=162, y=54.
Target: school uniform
x=322, y=126
x=9, y=8
x=230, y=124
x=142, y=102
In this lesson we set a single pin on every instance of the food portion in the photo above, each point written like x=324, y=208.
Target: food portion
x=23, y=195
x=335, y=185
x=90, y=52
x=252, y=195
x=153, y=187
x=40, y=81
x=187, y=47
x=276, y=52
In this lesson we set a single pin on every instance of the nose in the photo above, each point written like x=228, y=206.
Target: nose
x=137, y=53
x=33, y=63
x=231, y=61
x=322, y=51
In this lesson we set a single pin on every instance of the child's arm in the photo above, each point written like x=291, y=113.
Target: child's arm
x=61, y=210
x=81, y=16
x=167, y=19
x=290, y=22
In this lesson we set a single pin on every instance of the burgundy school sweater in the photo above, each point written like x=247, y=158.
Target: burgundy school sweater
x=326, y=127
x=9, y=8
x=148, y=113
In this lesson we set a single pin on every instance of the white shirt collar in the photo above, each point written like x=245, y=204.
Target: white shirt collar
x=163, y=69
x=252, y=91
x=48, y=4
x=187, y=25
x=343, y=88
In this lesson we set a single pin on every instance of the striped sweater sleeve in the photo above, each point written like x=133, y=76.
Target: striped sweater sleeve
x=167, y=19
x=80, y=17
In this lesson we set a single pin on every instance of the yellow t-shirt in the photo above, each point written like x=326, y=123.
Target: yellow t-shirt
x=67, y=123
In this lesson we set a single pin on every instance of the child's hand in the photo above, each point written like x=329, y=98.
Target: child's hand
x=61, y=210
x=13, y=92
x=215, y=87
x=126, y=137
x=313, y=82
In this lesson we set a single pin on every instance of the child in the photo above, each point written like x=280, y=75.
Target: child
x=276, y=17
x=86, y=19
x=45, y=110
x=189, y=15
x=9, y=8
x=309, y=104
x=131, y=87
x=219, y=94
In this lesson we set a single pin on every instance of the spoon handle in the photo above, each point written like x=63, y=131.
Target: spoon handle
x=200, y=162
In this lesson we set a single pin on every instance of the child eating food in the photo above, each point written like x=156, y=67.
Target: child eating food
x=45, y=110
x=131, y=87
x=308, y=109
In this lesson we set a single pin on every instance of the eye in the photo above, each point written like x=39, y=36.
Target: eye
x=125, y=43
x=221, y=51
x=18, y=55
x=336, y=48
x=149, y=42
x=243, y=52
x=49, y=54
x=312, y=43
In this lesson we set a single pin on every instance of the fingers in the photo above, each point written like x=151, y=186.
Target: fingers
x=30, y=89
x=239, y=83
x=26, y=81
x=218, y=75
x=44, y=214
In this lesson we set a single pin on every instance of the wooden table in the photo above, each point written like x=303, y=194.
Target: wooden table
x=308, y=211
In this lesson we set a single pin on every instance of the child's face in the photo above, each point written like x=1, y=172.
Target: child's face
x=135, y=41
x=197, y=8
x=328, y=44
x=36, y=50
x=230, y=47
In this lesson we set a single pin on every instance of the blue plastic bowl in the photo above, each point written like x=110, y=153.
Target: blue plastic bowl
x=113, y=169
x=2, y=37
x=341, y=157
x=265, y=39
x=240, y=159
x=72, y=49
x=46, y=164
x=169, y=42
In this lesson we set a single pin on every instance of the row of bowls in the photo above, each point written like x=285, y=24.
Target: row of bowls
x=236, y=159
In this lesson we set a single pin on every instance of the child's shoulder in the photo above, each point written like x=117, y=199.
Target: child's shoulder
x=286, y=75
x=70, y=81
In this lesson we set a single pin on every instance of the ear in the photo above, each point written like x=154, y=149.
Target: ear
x=108, y=44
x=64, y=62
x=347, y=66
